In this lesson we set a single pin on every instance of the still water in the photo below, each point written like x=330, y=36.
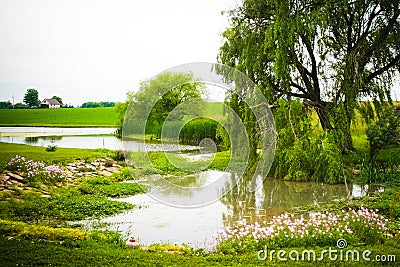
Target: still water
x=155, y=222
x=90, y=138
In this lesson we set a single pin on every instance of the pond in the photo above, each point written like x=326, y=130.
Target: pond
x=218, y=203
x=155, y=222
x=90, y=138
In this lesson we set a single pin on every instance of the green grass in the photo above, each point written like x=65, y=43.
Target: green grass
x=108, y=187
x=28, y=252
x=37, y=153
x=64, y=117
x=159, y=163
x=61, y=205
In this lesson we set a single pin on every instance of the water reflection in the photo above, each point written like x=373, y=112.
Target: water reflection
x=158, y=222
x=31, y=140
x=52, y=131
x=91, y=142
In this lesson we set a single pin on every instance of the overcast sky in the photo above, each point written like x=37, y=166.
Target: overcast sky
x=93, y=50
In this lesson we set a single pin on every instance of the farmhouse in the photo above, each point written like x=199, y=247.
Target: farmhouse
x=50, y=103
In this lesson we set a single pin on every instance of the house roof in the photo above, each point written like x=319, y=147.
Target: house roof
x=52, y=101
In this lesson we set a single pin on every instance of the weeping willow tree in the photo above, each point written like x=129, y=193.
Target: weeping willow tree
x=328, y=53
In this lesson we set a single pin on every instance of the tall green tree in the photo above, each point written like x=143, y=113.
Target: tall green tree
x=31, y=98
x=160, y=96
x=5, y=105
x=182, y=87
x=328, y=53
x=59, y=99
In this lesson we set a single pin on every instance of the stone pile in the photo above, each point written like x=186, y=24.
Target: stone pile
x=9, y=178
x=99, y=167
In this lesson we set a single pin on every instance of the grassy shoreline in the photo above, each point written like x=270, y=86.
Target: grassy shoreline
x=38, y=153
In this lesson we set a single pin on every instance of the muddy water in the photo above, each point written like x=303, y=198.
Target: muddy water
x=155, y=222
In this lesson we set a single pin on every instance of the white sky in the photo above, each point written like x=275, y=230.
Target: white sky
x=97, y=50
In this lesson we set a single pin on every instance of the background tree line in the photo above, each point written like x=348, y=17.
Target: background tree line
x=97, y=104
x=31, y=100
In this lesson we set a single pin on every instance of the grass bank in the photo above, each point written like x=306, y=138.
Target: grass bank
x=62, y=117
x=26, y=252
x=37, y=153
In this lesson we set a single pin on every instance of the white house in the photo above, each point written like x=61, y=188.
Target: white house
x=50, y=103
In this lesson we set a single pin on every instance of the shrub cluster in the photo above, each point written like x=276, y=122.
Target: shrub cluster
x=36, y=171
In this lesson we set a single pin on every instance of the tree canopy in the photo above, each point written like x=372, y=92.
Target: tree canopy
x=59, y=99
x=31, y=98
x=164, y=93
x=157, y=97
x=5, y=105
x=97, y=104
x=329, y=53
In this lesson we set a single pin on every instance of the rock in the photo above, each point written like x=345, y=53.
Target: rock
x=356, y=172
x=71, y=168
x=90, y=167
x=4, y=177
x=81, y=169
x=15, y=177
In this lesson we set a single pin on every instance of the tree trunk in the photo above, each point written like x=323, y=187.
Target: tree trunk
x=323, y=118
x=348, y=139
x=347, y=142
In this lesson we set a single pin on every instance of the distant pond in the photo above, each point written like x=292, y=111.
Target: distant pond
x=90, y=138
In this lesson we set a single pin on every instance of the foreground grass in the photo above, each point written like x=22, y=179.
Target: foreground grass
x=57, y=207
x=96, y=252
x=61, y=155
x=64, y=117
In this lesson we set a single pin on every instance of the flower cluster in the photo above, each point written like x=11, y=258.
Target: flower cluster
x=29, y=167
x=33, y=170
x=54, y=173
x=317, y=229
x=16, y=163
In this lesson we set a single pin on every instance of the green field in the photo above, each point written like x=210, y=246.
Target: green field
x=62, y=117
